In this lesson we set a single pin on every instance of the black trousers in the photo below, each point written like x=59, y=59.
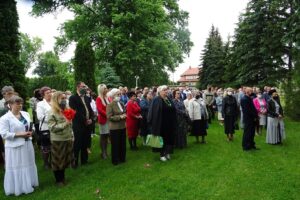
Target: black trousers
x=59, y=175
x=81, y=140
x=166, y=149
x=249, y=133
x=1, y=145
x=118, y=146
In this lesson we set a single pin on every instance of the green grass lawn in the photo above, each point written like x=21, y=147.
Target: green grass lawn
x=217, y=170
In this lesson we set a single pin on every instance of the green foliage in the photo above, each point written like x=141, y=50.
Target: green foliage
x=261, y=53
x=142, y=37
x=213, y=60
x=84, y=63
x=58, y=82
x=48, y=64
x=11, y=69
x=41, y=7
x=29, y=49
x=108, y=76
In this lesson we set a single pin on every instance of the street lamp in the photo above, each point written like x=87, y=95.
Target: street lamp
x=136, y=81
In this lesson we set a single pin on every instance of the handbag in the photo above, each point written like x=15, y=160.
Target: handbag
x=44, y=135
x=154, y=141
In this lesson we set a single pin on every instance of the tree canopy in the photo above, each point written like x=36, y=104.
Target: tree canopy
x=141, y=37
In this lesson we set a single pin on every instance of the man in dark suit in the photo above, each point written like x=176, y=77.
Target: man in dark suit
x=250, y=117
x=82, y=123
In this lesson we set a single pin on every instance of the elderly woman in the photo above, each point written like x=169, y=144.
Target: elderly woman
x=101, y=104
x=275, y=127
x=162, y=119
x=7, y=92
x=229, y=113
x=199, y=115
x=20, y=169
x=133, y=119
x=261, y=107
x=116, y=117
x=42, y=109
x=219, y=104
x=181, y=125
x=189, y=96
x=61, y=137
x=145, y=104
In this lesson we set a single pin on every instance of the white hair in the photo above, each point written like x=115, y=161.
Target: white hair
x=113, y=92
x=161, y=88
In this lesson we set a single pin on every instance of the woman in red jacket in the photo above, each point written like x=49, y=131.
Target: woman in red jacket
x=101, y=103
x=132, y=121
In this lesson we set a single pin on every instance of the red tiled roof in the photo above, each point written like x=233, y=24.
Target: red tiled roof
x=182, y=79
x=191, y=71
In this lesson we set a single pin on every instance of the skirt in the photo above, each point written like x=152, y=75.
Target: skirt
x=20, y=170
x=229, y=124
x=199, y=128
x=61, y=154
x=275, y=131
x=262, y=120
x=104, y=129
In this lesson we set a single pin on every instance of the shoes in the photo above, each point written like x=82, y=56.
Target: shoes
x=163, y=159
x=168, y=157
x=60, y=184
x=89, y=151
x=104, y=156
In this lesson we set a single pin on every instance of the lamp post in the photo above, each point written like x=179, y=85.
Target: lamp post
x=136, y=81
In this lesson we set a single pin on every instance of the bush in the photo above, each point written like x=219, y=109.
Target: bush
x=57, y=82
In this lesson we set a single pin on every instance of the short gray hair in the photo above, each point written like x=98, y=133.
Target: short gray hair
x=6, y=89
x=14, y=99
x=161, y=88
x=113, y=92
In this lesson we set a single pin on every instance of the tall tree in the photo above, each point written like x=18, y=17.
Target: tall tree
x=108, y=76
x=84, y=63
x=259, y=54
x=48, y=64
x=11, y=69
x=141, y=37
x=29, y=50
x=213, y=56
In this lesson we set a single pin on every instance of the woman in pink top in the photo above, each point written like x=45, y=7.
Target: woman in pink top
x=261, y=107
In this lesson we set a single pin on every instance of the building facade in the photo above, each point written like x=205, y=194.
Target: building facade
x=190, y=77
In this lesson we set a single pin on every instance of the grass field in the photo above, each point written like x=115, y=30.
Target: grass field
x=217, y=170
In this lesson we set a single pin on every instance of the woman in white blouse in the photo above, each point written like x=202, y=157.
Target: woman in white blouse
x=20, y=169
x=42, y=110
x=199, y=115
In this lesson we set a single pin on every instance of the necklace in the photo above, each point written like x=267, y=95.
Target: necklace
x=167, y=102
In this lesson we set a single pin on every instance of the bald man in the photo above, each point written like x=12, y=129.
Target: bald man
x=250, y=117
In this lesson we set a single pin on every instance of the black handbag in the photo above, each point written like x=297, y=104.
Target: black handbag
x=44, y=135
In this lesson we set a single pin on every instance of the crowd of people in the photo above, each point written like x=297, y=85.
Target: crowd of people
x=170, y=113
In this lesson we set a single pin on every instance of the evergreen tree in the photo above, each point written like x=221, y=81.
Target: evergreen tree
x=108, y=76
x=11, y=69
x=213, y=60
x=258, y=52
x=84, y=63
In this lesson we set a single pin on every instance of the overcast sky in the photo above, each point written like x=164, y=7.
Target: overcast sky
x=203, y=13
